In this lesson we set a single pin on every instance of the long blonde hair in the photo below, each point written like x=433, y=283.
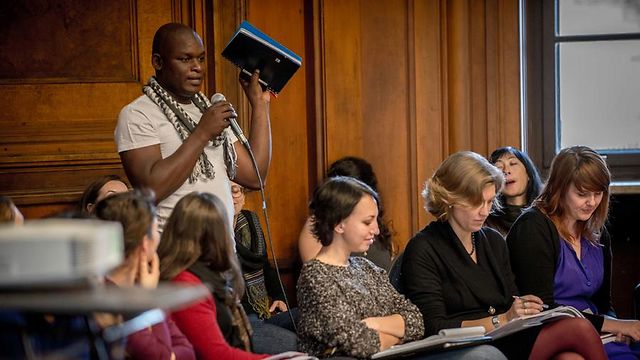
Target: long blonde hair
x=587, y=171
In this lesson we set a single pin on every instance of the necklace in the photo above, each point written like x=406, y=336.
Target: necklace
x=473, y=244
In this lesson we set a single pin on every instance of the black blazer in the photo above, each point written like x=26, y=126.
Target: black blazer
x=534, y=248
x=447, y=286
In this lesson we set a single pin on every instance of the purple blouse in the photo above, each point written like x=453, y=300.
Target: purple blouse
x=576, y=280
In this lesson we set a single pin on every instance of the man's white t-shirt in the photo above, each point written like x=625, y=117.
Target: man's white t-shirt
x=142, y=123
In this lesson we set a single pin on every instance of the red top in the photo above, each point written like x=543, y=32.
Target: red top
x=159, y=342
x=199, y=324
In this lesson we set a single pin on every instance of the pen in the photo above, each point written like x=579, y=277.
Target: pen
x=544, y=306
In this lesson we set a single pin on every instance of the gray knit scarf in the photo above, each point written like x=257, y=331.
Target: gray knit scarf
x=184, y=125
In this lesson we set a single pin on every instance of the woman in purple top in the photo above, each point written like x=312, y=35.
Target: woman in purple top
x=560, y=249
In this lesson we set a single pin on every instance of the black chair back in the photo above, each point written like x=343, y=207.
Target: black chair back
x=396, y=272
x=636, y=302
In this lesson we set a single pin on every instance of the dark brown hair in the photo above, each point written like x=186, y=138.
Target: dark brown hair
x=587, y=171
x=135, y=210
x=360, y=169
x=92, y=190
x=333, y=201
x=197, y=230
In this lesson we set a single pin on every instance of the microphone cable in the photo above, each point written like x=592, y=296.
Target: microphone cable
x=269, y=238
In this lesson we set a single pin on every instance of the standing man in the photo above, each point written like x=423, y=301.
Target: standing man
x=174, y=141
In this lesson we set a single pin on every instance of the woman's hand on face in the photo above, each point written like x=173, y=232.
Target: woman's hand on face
x=524, y=305
x=148, y=272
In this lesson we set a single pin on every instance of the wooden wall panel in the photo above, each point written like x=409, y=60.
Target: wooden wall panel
x=58, y=118
x=385, y=108
x=434, y=77
x=67, y=42
x=287, y=183
x=342, y=79
x=401, y=83
x=430, y=123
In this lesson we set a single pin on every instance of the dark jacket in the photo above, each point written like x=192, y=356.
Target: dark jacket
x=447, y=286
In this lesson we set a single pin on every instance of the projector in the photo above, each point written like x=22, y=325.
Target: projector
x=58, y=252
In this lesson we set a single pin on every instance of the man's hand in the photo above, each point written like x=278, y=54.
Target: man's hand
x=214, y=120
x=254, y=91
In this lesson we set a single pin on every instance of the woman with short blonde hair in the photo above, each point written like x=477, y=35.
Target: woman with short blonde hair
x=457, y=272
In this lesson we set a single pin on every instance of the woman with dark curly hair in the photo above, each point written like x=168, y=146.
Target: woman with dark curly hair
x=381, y=250
x=347, y=307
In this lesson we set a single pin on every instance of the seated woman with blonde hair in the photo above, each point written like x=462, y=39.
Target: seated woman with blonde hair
x=347, y=305
x=458, y=274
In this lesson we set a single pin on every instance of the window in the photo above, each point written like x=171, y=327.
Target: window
x=582, y=80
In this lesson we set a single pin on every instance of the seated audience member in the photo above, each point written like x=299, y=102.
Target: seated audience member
x=458, y=273
x=381, y=250
x=522, y=185
x=9, y=213
x=561, y=251
x=196, y=248
x=347, y=307
x=98, y=190
x=272, y=332
x=136, y=213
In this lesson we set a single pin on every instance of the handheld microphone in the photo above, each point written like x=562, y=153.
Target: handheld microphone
x=217, y=97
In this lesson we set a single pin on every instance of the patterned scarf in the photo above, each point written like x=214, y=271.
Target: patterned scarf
x=252, y=251
x=184, y=125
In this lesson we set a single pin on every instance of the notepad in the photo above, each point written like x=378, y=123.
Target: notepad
x=251, y=49
x=445, y=339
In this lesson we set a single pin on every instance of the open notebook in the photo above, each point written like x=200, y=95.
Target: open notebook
x=458, y=337
x=445, y=339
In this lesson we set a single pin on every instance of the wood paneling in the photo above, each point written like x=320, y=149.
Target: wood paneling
x=287, y=183
x=66, y=41
x=405, y=84
x=58, y=114
x=400, y=83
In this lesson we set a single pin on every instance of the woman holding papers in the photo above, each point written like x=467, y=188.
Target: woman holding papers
x=458, y=272
x=560, y=249
x=347, y=305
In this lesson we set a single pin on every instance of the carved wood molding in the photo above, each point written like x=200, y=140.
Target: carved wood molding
x=70, y=42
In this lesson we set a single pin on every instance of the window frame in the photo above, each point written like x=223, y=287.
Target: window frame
x=540, y=96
